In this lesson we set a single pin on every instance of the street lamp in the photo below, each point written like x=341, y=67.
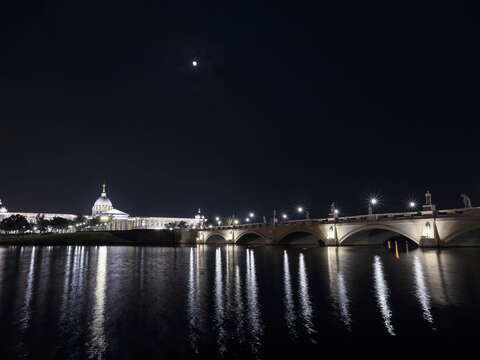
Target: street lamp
x=412, y=205
x=284, y=216
x=247, y=219
x=301, y=210
x=371, y=205
x=251, y=215
x=235, y=222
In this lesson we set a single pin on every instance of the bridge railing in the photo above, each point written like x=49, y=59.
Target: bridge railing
x=360, y=218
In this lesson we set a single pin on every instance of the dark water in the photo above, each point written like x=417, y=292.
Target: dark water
x=225, y=302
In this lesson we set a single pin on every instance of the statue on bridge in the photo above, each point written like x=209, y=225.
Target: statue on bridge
x=466, y=201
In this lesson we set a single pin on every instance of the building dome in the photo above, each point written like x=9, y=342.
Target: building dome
x=102, y=204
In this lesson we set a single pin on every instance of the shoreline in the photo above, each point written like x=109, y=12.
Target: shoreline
x=93, y=238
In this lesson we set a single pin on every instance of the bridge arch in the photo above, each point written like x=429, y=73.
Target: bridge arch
x=301, y=237
x=469, y=236
x=215, y=238
x=250, y=237
x=348, y=238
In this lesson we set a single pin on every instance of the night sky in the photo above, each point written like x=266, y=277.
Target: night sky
x=291, y=103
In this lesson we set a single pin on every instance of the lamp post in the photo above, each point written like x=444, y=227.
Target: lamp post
x=373, y=202
x=412, y=205
x=301, y=210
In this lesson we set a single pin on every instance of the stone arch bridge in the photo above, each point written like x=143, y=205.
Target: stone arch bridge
x=443, y=228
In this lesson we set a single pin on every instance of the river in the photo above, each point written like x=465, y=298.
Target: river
x=210, y=301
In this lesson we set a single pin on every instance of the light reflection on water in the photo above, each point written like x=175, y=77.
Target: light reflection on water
x=225, y=300
x=306, y=311
x=338, y=286
x=421, y=290
x=290, y=316
x=382, y=293
x=98, y=342
x=254, y=315
x=219, y=303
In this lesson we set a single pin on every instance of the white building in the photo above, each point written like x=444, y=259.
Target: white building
x=112, y=218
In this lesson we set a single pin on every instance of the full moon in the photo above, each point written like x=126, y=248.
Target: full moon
x=194, y=63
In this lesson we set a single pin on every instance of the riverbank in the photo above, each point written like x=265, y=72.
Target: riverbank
x=131, y=237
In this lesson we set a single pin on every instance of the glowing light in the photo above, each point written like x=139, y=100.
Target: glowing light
x=235, y=221
x=412, y=204
x=373, y=201
x=247, y=219
x=195, y=63
x=331, y=233
x=251, y=215
x=300, y=209
x=336, y=211
x=217, y=219
x=428, y=231
x=284, y=216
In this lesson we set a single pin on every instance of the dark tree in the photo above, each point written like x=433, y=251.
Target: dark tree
x=177, y=225
x=15, y=223
x=59, y=223
x=42, y=223
x=80, y=219
x=94, y=222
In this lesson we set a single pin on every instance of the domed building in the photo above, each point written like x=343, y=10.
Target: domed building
x=111, y=218
x=103, y=207
x=102, y=204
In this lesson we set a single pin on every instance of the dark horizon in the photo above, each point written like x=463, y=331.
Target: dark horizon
x=289, y=105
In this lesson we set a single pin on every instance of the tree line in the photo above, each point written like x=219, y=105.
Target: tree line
x=18, y=224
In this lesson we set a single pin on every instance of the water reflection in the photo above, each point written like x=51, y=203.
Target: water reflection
x=338, y=286
x=219, y=306
x=239, y=307
x=254, y=317
x=192, y=302
x=26, y=312
x=98, y=343
x=381, y=291
x=421, y=290
x=209, y=302
x=305, y=304
x=288, y=299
